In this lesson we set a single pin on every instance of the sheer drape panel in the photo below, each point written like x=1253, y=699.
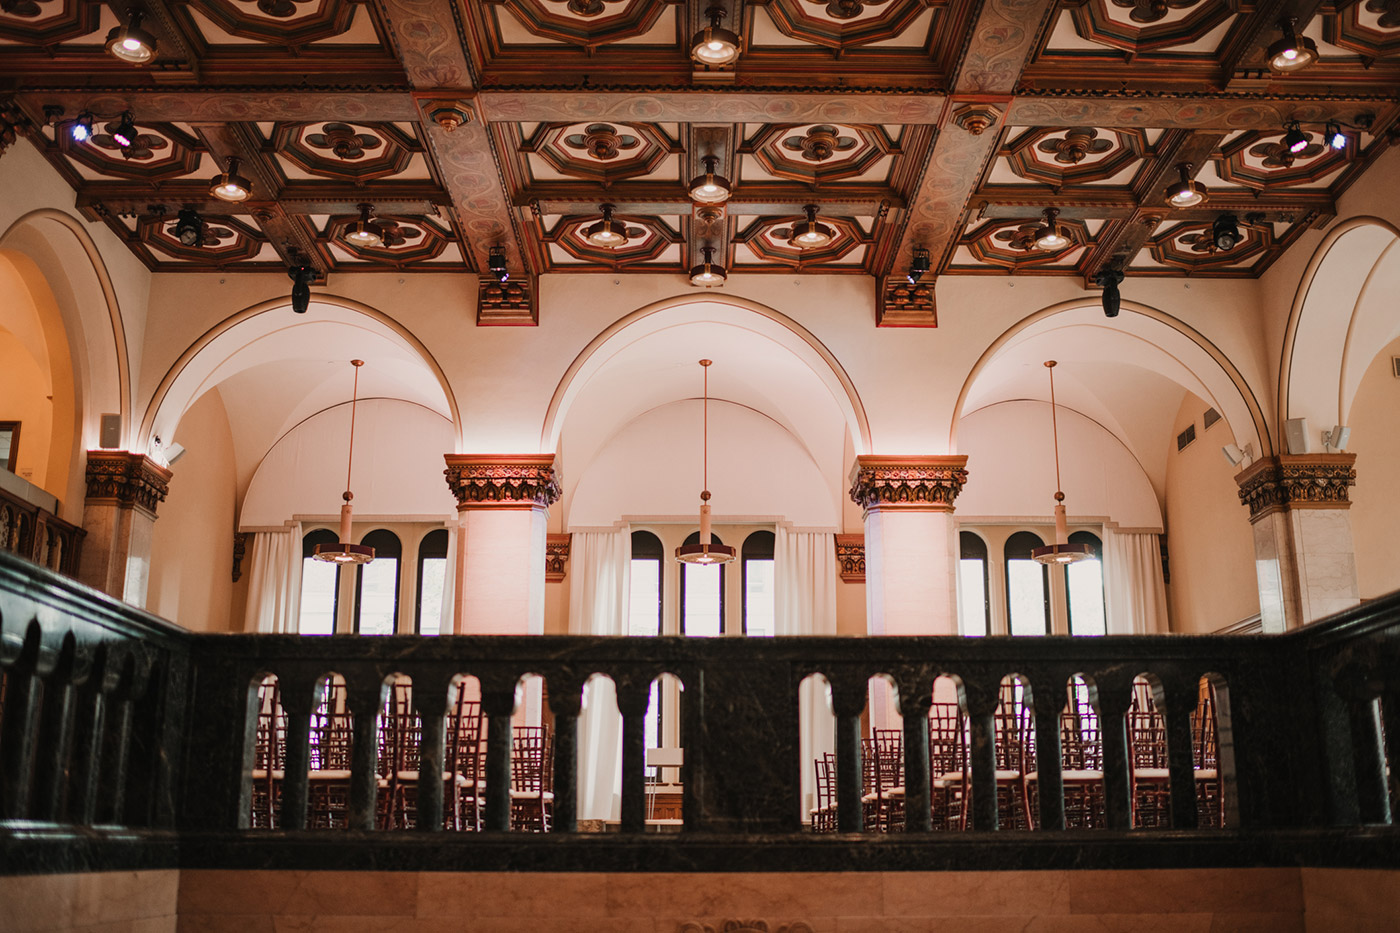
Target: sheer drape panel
x=805, y=604
x=274, y=583
x=598, y=564
x=1134, y=593
x=448, y=624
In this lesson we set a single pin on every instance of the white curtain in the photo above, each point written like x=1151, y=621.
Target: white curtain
x=805, y=604
x=448, y=616
x=598, y=581
x=1134, y=594
x=274, y=582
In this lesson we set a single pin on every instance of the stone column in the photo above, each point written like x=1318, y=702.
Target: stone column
x=123, y=490
x=1303, y=550
x=911, y=552
x=503, y=503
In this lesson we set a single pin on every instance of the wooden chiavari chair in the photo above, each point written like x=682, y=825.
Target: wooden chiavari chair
x=1210, y=798
x=1081, y=761
x=887, y=769
x=531, y=783
x=332, y=745
x=269, y=759
x=824, y=813
x=948, y=772
x=1147, y=751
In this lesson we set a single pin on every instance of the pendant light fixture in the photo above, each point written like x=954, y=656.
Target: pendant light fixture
x=1050, y=237
x=365, y=232
x=189, y=227
x=1291, y=52
x=1061, y=552
x=810, y=233
x=706, y=552
x=130, y=42
x=607, y=232
x=709, y=188
x=708, y=274
x=1186, y=191
x=124, y=133
x=344, y=552
x=714, y=46
x=228, y=185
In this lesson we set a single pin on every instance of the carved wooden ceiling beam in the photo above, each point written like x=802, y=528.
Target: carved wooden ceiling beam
x=1119, y=241
x=709, y=224
x=1248, y=56
x=125, y=201
x=650, y=199
x=1189, y=112
x=232, y=106
x=1026, y=202
x=710, y=106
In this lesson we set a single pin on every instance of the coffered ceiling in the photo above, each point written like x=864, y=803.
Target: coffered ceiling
x=945, y=125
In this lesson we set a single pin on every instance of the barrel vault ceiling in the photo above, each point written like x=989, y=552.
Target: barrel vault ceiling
x=945, y=125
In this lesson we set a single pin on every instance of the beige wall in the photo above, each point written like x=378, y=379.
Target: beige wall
x=1375, y=513
x=191, y=578
x=24, y=389
x=1209, y=540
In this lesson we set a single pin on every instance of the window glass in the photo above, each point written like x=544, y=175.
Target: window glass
x=1084, y=579
x=759, y=613
x=320, y=585
x=1027, y=586
x=644, y=598
x=9, y=444
x=974, y=610
x=702, y=595
x=377, y=586
x=432, y=581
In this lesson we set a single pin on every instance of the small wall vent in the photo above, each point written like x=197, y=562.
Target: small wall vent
x=1395, y=366
x=1186, y=437
x=1211, y=417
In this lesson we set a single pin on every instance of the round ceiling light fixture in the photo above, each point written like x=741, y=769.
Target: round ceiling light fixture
x=228, y=185
x=131, y=43
x=1186, y=191
x=607, y=233
x=365, y=232
x=810, y=233
x=710, y=188
x=714, y=46
x=708, y=274
x=1051, y=237
x=1291, y=52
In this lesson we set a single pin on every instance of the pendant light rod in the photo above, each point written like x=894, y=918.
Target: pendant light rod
x=354, y=401
x=705, y=432
x=705, y=550
x=1054, y=430
x=345, y=551
x=1062, y=551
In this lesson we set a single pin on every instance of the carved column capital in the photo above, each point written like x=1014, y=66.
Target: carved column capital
x=850, y=558
x=510, y=303
x=126, y=479
x=556, y=557
x=1297, y=481
x=919, y=484
x=496, y=481
x=899, y=304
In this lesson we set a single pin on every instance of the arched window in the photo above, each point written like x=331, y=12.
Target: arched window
x=432, y=581
x=377, y=585
x=644, y=598
x=1084, y=580
x=974, y=606
x=1027, y=586
x=759, y=583
x=320, y=585
x=702, y=595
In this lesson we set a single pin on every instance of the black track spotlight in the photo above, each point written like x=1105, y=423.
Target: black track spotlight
x=1334, y=136
x=1291, y=52
x=189, y=228
x=1108, y=280
x=1295, y=140
x=919, y=266
x=131, y=43
x=302, y=277
x=82, y=127
x=496, y=263
x=124, y=133
x=1225, y=232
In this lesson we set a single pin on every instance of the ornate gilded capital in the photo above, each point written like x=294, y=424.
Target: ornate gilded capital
x=126, y=479
x=556, y=557
x=1297, y=481
x=850, y=558
x=921, y=484
x=518, y=481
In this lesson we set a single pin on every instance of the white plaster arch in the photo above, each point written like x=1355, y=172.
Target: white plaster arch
x=1160, y=341
x=63, y=251
x=1342, y=315
x=752, y=316
x=198, y=367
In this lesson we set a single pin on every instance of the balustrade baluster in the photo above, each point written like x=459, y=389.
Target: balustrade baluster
x=1372, y=794
x=915, y=701
x=848, y=697
x=1117, y=781
x=498, y=705
x=1182, y=698
x=91, y=741
x=119, y=738
x=564, y=701
x=298, y=700
x=632, y=702
x=1048, y=694
x=56, y=734
x=364, y=695
x=23, y=701
x=982, y=703
x=1390, y=710
x=430, y=701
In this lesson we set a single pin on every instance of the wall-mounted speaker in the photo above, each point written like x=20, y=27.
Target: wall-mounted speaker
x=172, y=453
x=110, y=437
x=1297, y=434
